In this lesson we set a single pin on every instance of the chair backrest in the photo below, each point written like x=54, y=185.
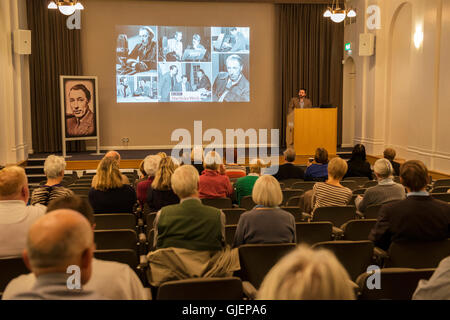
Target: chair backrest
x=395, y=283
x=220, y=203
x=127, y=256
x=80, y=190
x=289, y=182
x=359, y=191
x=233, y=215
x=360, y=181
x=202, y=289
x=247, y=203
x=440, y=189
x=372, y=211
x=230, y=230
x=313, y=232
x=115, y=221
x=355, y=230
x=293, y=201
x=371, y=183
x=303, y=185
x=335, y=214
x=295, y=211
x=11, y=268
x=441, y=196
x=351, y=184
x=116, y=239
x=289, y=193
x=355, y=256
x=257, y=259
x=442, y=183
x=150, y=219
x=417, y=255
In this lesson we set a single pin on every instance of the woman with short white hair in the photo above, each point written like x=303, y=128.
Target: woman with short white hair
x=151, y=164
x=386, y=190
x=213, y=182
x=307, y=274
x=266, y=222
x=54, y=167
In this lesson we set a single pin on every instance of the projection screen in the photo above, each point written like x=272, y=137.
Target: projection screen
x=182, y=64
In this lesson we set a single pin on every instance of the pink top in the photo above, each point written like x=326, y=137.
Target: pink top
x=214, y=185
x=142, y=188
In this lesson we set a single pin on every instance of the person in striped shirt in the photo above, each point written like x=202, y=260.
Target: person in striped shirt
x=331, y=192
x=54, y=170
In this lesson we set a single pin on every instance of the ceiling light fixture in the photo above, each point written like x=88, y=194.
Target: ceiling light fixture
x=66, y=7
x=336, y=14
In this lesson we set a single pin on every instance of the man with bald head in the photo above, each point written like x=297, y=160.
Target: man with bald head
x=60, y=245
x=116, y=156
x=15, y=216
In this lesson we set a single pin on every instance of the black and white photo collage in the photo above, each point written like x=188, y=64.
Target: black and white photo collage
x=182, y=64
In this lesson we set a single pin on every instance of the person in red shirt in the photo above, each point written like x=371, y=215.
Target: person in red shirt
x=214, y=183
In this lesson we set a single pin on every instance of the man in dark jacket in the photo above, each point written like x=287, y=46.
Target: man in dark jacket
x=288, y=170
x=417, y=218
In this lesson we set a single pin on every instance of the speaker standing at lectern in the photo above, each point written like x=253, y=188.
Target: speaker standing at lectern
x=299, y=102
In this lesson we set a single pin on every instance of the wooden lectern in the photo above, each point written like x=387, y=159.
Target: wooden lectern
x=315, y=128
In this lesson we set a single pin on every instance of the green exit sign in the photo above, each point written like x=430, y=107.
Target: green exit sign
x=348, y=46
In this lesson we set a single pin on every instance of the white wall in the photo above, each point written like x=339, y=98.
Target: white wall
x=402, y=97
x=15, y=125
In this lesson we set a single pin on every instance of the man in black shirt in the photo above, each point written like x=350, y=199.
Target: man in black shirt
x=289, y=170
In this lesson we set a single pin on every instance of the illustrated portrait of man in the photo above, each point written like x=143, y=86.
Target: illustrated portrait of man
x=82, y=121
x=231, y=86
x=143, y=56
x=169, y=83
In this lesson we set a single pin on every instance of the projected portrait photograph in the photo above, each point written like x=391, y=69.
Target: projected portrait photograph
x=137, y=89
x=230, y=39
x=184, y=44
x=231, y=74
x=136, y=50
x=79, y=107
x=169, y=80
x=194, y=84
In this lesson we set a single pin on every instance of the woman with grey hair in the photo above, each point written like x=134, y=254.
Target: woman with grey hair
x=54, y=167
x=386, y=190
x=151, y=164
x=307, y=274
x=266, y=222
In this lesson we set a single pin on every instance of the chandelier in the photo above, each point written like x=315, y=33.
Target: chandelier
x=336, y=14
x=66, y=7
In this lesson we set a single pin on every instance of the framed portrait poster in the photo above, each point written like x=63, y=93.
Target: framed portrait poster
x=79, y=109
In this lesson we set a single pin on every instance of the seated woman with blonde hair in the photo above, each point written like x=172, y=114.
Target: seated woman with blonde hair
x=160, y=194
x=108, y=193
x=307, y=274
x=266, y=222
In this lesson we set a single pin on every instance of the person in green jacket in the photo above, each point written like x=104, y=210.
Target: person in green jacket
x=244, y=185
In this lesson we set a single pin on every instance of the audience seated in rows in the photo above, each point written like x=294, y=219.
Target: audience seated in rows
x=266, y=222
x=160, y=193
x=318, y=170
x=244, y=185
x=386, y=190
x=306, y=274
x=57, y=240
x=116, y=156
x=330, y=192
x=438, y=286
x=358, y=166
x=54, y=167
x=108, y=193
x=288, y=170
x=233, y=170
x=214, y=183
x=389, y=154
x=113, y=280
x=16, y=217
x=190, y=236
x=151, y=164
x=417, y=218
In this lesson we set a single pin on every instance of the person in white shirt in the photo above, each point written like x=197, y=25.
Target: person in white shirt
x=175, y=47
x=112, y=280
x=16, y=217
